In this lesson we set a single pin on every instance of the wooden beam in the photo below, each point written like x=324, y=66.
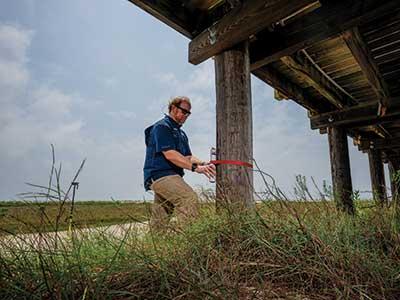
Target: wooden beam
x=363, y=56
x=172, y=13
x=340, y=168
x=380, y=144
x=377, y=176
x=286, y=87
x=238, y=25
x=331, y=19
x=234, y=127
x=311, y=76
x=356, y=116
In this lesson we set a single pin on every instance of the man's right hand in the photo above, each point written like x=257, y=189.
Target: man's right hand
x=208, y=170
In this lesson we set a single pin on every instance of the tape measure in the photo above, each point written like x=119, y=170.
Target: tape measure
x=231, y=162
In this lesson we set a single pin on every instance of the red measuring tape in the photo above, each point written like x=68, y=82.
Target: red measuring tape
x=231, y=162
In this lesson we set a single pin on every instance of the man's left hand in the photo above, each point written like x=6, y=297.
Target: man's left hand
x=208, y=170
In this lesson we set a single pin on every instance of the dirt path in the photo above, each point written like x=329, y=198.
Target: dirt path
x=54, y=240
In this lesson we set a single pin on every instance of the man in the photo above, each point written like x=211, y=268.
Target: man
x=167, y=155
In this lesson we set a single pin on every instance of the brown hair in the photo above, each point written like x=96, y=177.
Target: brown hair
x=176, y=101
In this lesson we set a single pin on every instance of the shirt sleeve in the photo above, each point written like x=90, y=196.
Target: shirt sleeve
x=163, y=138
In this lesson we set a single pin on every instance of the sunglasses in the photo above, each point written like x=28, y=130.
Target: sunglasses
x=185, y=111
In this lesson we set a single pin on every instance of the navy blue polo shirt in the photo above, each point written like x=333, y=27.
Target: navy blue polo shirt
x=164, y=135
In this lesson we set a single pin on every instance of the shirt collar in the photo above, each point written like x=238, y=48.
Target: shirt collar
x=172, y=121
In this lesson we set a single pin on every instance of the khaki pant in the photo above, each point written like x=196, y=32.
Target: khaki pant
x=172, y=193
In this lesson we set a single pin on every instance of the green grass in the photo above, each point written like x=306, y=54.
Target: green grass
x=42, y=216
x=284, y=249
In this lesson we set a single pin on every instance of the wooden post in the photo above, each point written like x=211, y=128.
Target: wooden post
x=340, y=167
x=394, y=182
x=377, y=176
x=234, y=127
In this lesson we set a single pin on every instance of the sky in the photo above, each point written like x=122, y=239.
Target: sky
x=89, y=76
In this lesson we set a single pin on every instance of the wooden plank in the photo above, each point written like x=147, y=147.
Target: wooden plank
x=365, y=114
x=313, y=77
x=238, y=25
x=174, y=16
x=234, y=127
x=340, y=169
x=381, y=23
x=354, y=77
x=364, y=96
x=290, y=89
x=389, y=39
x=387, y=59
x=331, y=19
x=387, y=50
x=377, y=176
x=390, y=67
x=368, y=66
x=383, y=33
x=361, y=85
x=380, y=144
x=342, y=70
x=333, y=57
x=326, y=47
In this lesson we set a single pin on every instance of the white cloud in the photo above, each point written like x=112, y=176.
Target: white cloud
x=14, y=75
x=35, y=115
x=202, y=78
x=31, y=116
x=122, y=115
x=51, y=103
x=14, y=42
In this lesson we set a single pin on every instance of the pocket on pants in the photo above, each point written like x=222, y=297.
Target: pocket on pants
x=160, y=180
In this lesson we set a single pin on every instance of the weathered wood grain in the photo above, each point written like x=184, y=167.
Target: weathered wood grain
x=314, y=78
x=234, y=127
x=377, y=176
x=368, y=66
x=332, y=18
x=363, y=114
x=340, y=169
x=238, y=25
x=290, y=89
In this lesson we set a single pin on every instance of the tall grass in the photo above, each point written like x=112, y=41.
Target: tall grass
x=302, y=249
x=307, y=250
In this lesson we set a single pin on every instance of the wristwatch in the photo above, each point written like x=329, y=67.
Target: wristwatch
x=194, y=167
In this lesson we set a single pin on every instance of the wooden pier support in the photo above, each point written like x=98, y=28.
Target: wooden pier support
x=394, y=168
x=340, y=168
x=377, y=176
x=234, y=127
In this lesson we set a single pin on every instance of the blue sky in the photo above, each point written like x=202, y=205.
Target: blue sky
x=89, y=76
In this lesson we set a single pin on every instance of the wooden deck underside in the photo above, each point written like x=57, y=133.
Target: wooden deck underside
x=338, y=59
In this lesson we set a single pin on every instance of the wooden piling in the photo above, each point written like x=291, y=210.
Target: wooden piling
x=377, y=176
x=234, y=127
x=340, y=168
x=394, y=167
